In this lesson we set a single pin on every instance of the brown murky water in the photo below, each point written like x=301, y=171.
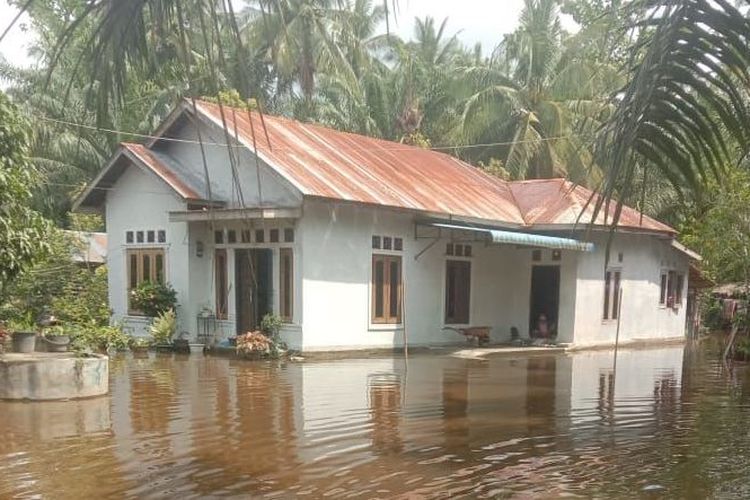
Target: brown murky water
x=673, y=423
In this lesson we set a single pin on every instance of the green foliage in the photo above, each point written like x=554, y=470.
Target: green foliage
x=22, y=323
x=720, y=230
x=100, y=338
x=270, y=326
x=22, y=230
x=712, y=314
x=84, y=298
x=153, y=299
x=164, y=327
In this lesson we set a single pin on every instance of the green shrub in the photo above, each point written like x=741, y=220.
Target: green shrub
x=164, y=327
x=153, y=299
x=100, y=338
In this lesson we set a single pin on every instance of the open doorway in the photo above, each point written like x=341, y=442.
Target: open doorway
x=253, y=287
x=545, y=296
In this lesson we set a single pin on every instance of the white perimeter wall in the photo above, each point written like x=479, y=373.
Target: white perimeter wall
x=644, y=258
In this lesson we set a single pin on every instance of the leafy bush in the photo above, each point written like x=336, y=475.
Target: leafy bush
x=153, y=299
x=84, y=298
x=713, y=315
x=100, y=338
x=164, y=327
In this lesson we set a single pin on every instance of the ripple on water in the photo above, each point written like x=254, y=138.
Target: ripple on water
x=670, y=423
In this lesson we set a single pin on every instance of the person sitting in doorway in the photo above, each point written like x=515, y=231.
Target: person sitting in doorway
x=543, y=332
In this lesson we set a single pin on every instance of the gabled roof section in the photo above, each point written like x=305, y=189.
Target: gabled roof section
x=185, y=185
x=325, y=163
x=558, y=202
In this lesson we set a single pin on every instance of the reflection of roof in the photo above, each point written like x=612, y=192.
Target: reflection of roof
x=92, y=248
x=326, y=163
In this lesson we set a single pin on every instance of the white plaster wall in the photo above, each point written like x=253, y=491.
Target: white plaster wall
x=644, y=257
x=336, y=275
x=273, y=189
x=141, y=201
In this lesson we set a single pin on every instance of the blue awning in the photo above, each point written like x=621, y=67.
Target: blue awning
x=525, y=239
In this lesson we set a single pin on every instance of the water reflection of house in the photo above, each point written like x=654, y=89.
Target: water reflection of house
x=313, y=224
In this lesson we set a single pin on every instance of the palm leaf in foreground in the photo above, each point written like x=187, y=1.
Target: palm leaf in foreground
x=684, y=102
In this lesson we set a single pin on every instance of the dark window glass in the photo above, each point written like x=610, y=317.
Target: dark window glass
x=221, y=283
x=458, y=250
x=159, y=264
x=146, y=267
x=394, y=280
x=387, y=243
x=620, y=257
x=129, y=237
x=288, y=235
x=274, y=235
x=663, y=290
x=449, y=249
x=607, y=286
x=133, y=270
x=218, y=237
x=376, y=242
x=231, y=236
x=151, y=236
x=616, y=295
x=245, y=236
x=379, y=288
x=162, y=236
x=457, y=291
x=285, y=284
x=398, y=244
x=139, y=237
x=536, y=255
x=467, y=250
x=260, y=236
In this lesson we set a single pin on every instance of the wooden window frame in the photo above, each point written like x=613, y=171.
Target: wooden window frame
x=388, y=317
x=153, y=275
x=221, y=277
x=456, y=320
x=286, y=285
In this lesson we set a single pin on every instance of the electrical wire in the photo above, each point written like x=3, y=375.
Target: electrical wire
x=401, y=148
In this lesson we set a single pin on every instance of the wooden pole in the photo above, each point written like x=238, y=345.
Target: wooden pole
x=403, y=314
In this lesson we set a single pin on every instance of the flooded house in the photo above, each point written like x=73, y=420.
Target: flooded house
x=361, y=243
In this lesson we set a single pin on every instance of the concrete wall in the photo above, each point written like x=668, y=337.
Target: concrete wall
x=336, y=276
x=644, y=258
x=141, y=201
x=273, y=189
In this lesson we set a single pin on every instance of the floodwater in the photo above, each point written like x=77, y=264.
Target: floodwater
x=672, y=423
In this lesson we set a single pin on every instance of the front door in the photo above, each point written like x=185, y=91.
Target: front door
x=252, y=287
x=545, y=295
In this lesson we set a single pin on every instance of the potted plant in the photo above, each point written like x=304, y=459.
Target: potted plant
x=153, y=299
x=23, y=334
x=163, y=329
x=57, y=338
x=139, y=346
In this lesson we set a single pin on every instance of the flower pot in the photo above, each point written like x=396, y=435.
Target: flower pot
x=24, y=342
x=181, y=346
x=57, y=343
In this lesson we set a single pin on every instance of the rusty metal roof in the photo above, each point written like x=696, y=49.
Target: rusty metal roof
x=326, y=163
x=159, y=167
x=560, y=202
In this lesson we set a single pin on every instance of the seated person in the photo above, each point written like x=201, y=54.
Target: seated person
x=544, y=330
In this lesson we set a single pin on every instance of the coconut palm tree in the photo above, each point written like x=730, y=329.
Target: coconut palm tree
x=531, y=97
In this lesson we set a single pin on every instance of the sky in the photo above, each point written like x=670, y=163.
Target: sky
x=483, y=21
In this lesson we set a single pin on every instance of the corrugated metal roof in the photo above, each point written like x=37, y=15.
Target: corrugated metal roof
x=160, y=168
x=93, y=247
x=559, y=202
x=326, y=163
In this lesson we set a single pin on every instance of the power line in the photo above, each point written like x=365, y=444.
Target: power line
x=403, y=148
